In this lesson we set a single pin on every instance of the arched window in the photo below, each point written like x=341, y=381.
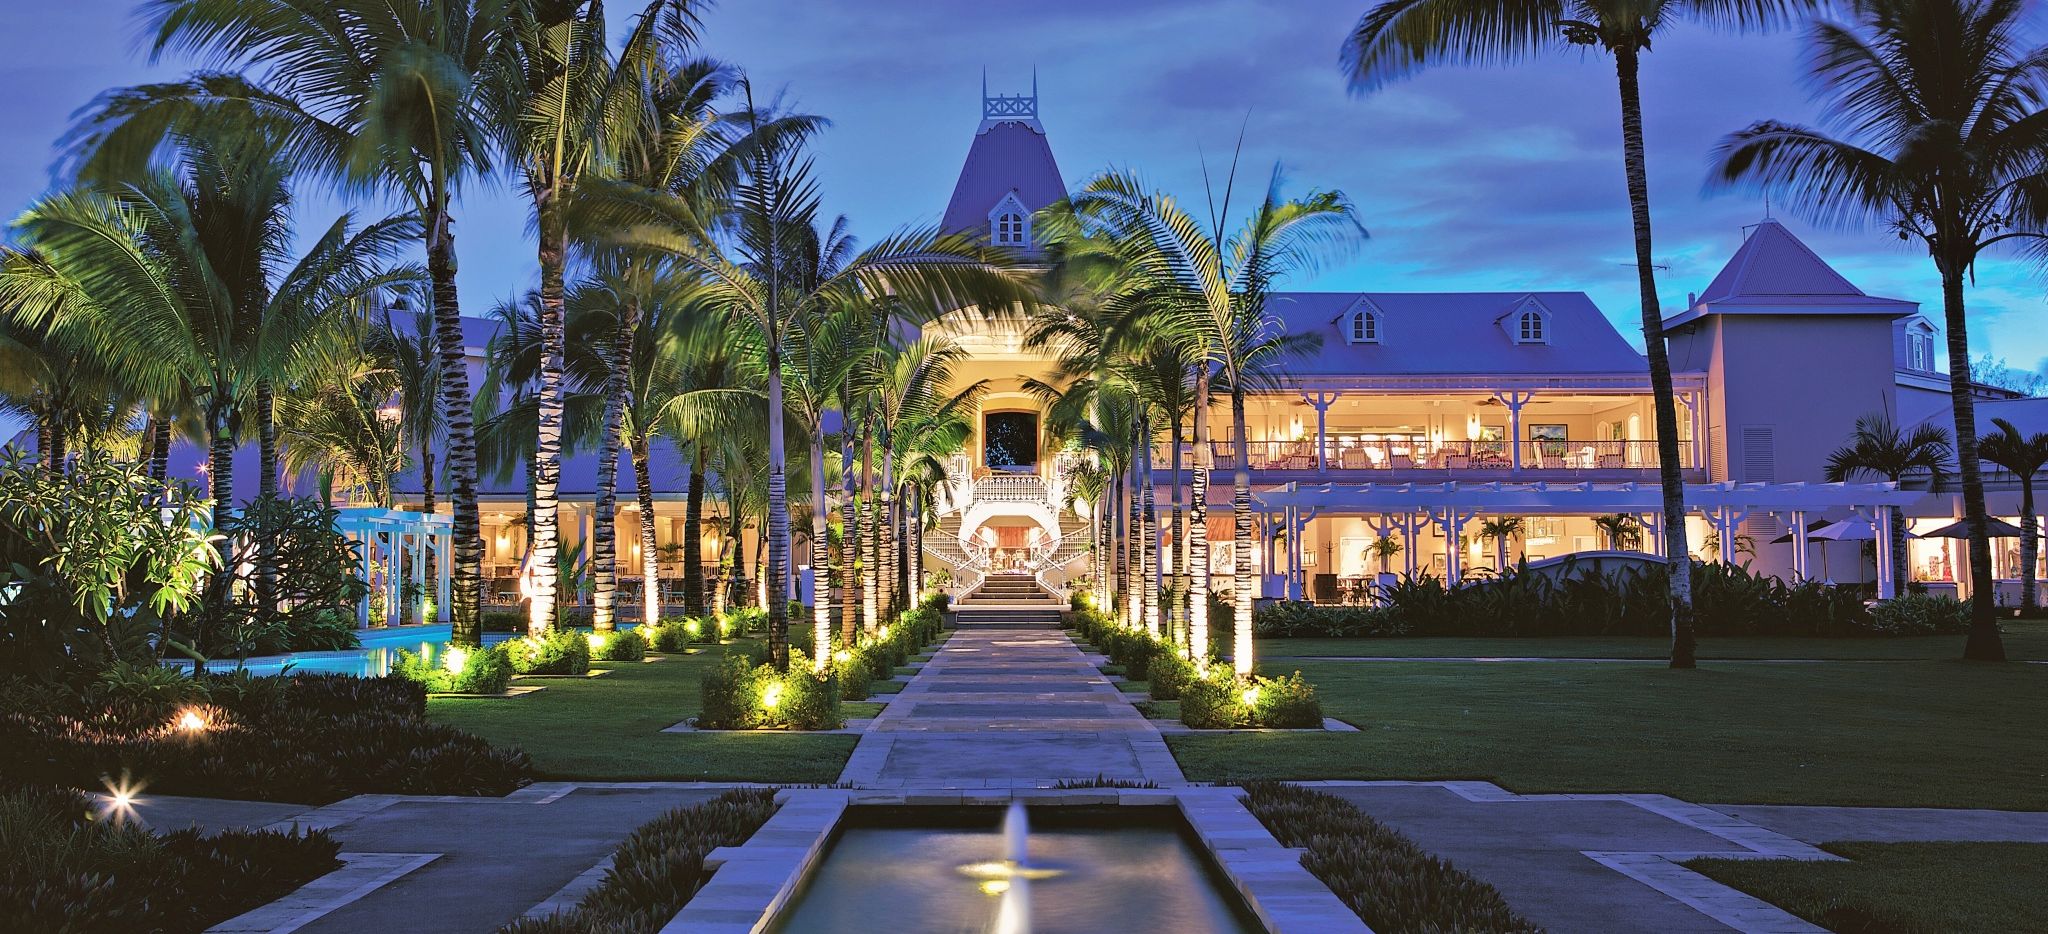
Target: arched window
x=1530, y=328
x=1365, y=328
x=1009, y=229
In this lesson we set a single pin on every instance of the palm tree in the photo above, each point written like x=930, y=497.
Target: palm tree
x=1623, y=531
x=1945, y=125
x=1209, y=289
x=1879, y=447
x=1501, y=531
x=920, y=422
x=744, y=263
x=2024, y=455
x=819, y=366
x=375, y=94
x=562, y=102
x=1400, y=37
x=177, y=274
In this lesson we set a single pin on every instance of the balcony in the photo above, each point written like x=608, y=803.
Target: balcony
x=1396, y=461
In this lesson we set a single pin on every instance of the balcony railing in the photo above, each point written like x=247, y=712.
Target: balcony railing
x=1446, y=456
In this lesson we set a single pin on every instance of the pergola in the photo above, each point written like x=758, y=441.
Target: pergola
x=1407, y=508
x=395, y=546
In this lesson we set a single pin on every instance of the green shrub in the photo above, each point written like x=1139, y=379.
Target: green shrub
x=676, y=633
x=65, y=869
x=741, y=695
x=1392, y=884
x=856, y=675
x=1168, y=673
x=454, y=671
x=1221, y=702
x=308, y=738
x=1920, y=615
x=660, y=867
x=556, y=652
x=1294, y=619
x=619, y=645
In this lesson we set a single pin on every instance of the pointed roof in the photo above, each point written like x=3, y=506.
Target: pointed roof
x=1009, y=154
x=1775, y=272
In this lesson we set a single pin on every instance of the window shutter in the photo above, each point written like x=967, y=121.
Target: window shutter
x=1759, y=454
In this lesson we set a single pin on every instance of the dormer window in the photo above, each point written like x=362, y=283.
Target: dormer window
x=1527, y=323
x=1364, y=327
x=1009, y=224
x=1920, y=346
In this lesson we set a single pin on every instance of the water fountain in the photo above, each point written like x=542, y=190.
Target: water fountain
x=929, y=871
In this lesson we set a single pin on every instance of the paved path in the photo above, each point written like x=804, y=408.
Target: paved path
x=1009, y=704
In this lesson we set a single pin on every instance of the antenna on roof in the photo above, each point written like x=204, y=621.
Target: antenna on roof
x=1767, y=207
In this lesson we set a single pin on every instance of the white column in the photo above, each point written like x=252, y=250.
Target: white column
x=1800, y=542
x=1514, y=400
x=369, y=547
x=1886, y=586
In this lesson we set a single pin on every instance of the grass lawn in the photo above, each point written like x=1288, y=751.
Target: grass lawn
x=1902, y=888
x=2024, y=639
x=1936, y=733
x=609, y=729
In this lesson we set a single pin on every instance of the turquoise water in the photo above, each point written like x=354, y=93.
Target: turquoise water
x=378, y=653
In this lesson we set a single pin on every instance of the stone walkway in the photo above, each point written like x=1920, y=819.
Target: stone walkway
x=1009, y=704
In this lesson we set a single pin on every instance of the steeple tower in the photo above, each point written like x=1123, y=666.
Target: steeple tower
x=1009, y=174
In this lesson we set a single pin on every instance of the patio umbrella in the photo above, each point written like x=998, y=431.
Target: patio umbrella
x=1997, y=528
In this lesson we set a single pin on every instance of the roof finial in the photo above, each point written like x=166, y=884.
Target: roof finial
x=1005, y=107
x=1767, y=198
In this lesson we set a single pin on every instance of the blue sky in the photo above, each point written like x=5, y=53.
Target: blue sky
x=1475, y=178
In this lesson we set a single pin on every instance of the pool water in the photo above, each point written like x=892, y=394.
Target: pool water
x=379, y=652
x=897, y=870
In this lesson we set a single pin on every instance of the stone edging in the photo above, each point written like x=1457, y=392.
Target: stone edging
x=360, y=874
x=755, y=881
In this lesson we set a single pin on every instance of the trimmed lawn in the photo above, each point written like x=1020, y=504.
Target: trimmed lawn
x=609, y=729
x=1937, y=734
x=2024, y=640
x=1902, y=888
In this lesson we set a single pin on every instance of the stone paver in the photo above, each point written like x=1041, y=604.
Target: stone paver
x=1009, y=704
x=1894, y=825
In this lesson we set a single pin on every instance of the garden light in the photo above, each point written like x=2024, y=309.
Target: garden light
x=190, y=721
x=694, y=627
x=597, y=641
x=455, y=658
x=1251, y=696
x=771, y=697
x=882, y=633
x=842, y=656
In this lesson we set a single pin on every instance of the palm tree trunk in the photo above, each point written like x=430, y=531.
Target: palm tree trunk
x=1984, y=643
x=428, y=507
x=50, y=440
x=547, y=466
x=821, y=554
x=778, y=513
x=849, y=541
x=693, y=536
x=1120, y=538
x=1198, y=527
x=1241, y=517
x=266, y=488
x=465, y=596
x=1678, y=557
x=2030, y=545
x=916, y=550
x=220, y=486
x=871, y=612
x=1149, y=529
x=1178, y=556
x=604, y=549
x=650, y=557
x=885, y=518
x=159, y=447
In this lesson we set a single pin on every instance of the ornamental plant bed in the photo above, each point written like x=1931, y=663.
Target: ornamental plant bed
x=68, y=866
x=1392, y=884
x=303, y=738
x=660, y=867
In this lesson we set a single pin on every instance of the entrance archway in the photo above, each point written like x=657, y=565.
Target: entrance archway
x=1009, y=440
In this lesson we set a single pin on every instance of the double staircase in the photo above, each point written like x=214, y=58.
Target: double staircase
x=1008, y=599
x=1007, y=577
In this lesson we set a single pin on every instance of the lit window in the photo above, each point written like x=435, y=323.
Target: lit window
x=1531, y=328
x=1920, y=351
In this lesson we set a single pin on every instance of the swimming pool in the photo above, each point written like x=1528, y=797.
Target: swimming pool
x=379, y=651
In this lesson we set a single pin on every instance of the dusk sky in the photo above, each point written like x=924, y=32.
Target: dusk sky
x=1468, y=178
